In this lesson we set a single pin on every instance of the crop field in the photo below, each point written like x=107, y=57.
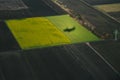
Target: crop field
x=110, y=50
x=48, y=31
x=14, y=9
x=37, y=42
x=101, y=22
x=7, y=40
x=12, y=5
x=36, y=32
x=116, y=15
x=79, y=34
x=39, y=8
x=97, y=2
x=109, y=7
x=112, y=7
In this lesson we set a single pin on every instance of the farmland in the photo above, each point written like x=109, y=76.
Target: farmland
x=12, y=5
x=98, y=2
x=102, y=23
x=32, y=31
x=48, y=31
x=80, y=34
x=68, y=62
x=110, y=51
x=36, y=32
x=15, y=9
x=37, y=42
x=7, y=40
x=109, y=7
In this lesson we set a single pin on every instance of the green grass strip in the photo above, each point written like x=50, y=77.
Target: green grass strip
x=79, y=34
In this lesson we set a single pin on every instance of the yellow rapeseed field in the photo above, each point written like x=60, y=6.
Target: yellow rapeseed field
x=36, y=32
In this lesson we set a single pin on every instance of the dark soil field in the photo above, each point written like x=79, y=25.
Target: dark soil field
x=110, y=50
x=69, y=62
x=102, y=23
x=12, y=9
x=39, y=8
x=98, y=2
x=116, y=15
x=7, y=41
x=12, y=5
x=66, y=62
x=31, y=8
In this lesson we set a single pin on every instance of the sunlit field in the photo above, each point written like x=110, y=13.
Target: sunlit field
x=109, y=7
x=78, y=34
x=36, y=32
x=40, y=32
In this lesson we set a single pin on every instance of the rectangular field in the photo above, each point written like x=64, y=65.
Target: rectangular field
x=78, y=34
x=109, y=7
x=12, y=5
x=98, y=2
x=36, y=32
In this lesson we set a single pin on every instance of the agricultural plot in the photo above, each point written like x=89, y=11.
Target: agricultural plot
x=39, y=8
x=74, y=31
x=101, y=22
x=68, y=62
x=36, y=32
x=12, y=5
x=109, y=7
x=7, y=40
x=14, y=9
x=97, y=2
x=110, y=50
x=48, y=31
x=115, y=15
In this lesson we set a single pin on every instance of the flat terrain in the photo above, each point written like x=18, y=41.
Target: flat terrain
x=110, y=51
x=36, y=32
x=102, y=23
x=24, y=8
x=68, y=62
x=12, y=5
x=64, y=56
x=109, y=7
x=7, y=40
x=79, y=34
x=115, y=15
x=48, y=31
x=112, y=9
x=97, y=2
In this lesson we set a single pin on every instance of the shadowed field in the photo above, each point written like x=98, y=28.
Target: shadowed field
x=109, y=7
x=14, y=9
x=7, y=40
x=97, y=2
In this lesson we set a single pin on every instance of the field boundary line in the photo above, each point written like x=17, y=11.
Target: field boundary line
x=90, y=46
